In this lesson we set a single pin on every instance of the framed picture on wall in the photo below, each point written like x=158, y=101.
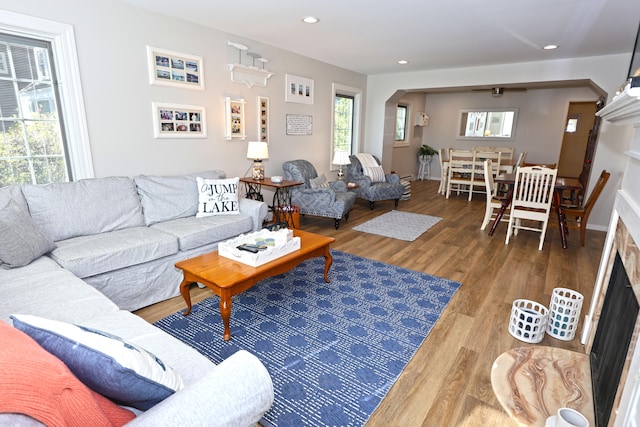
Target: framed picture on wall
x=167, y=68
x=179, y=121
x=234, y=112
x=263, y=118
x=298, y=89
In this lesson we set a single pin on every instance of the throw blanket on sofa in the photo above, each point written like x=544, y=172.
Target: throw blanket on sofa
x=371, y=168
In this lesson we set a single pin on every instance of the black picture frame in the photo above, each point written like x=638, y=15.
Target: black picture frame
x=635, y=59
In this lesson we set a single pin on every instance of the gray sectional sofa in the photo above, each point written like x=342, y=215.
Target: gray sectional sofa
x=116, y=242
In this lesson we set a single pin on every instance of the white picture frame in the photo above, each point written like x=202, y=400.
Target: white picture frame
x=263, y=119
x=234, y=118
x=298, y=89
x=179, y=120
x=169, y=68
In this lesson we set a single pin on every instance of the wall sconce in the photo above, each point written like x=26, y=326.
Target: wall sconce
x=258, y=151
x=341, y=158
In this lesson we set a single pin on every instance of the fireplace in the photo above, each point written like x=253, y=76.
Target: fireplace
x=611, y=341
x=617, y=394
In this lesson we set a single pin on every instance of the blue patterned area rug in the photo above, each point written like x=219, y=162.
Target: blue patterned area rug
x=399, y=225
x=333, y=349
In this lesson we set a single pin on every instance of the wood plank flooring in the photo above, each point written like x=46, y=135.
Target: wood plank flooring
x=447, y=383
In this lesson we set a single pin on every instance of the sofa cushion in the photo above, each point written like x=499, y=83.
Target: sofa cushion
x=107, y=364
x=81, y=208
x=21, y=240
x=46, y=289
x=165, y=198
x=36, y=383
x=195, y=232
x=90, y=255
x=217, y=196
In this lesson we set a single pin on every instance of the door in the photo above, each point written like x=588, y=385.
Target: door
x=578, y=129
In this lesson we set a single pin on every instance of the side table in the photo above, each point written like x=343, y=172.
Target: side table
x=281, y=197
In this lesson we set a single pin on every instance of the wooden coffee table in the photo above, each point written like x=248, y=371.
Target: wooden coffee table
x=226, y=277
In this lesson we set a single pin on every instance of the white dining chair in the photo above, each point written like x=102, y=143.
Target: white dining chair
x=494, y=203
x=444, y=170
x=531, y=201
x=461, y=173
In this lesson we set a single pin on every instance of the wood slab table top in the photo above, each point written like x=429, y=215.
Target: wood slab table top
x=227, y=277
x=532, y=383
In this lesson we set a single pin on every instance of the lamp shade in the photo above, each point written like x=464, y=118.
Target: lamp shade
x=258, y=150
x=341, y=158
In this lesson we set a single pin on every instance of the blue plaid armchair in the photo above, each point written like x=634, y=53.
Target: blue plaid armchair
x=390, y=189
x=331, y=200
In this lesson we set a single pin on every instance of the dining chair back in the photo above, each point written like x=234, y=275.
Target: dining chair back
x=444, y=165
x=521, y=158
x=580, y=215
x=506, y=152
x=493, y=201
x=532, y=198
x=494, y=156
x=461, y=172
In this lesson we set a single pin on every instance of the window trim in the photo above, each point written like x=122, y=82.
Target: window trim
x=356, y=93
x=62, y=38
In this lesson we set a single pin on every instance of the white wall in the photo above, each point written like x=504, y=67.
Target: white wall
x=405, y=155
x=608, y=72
x=539, y=126
x=111, y=38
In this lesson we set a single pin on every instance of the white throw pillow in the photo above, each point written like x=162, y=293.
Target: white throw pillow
x=217, y=197
x=105, y=363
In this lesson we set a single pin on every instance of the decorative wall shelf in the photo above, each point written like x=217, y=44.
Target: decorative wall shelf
x=251, y=76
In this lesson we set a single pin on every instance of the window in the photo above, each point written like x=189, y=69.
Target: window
x=343, y=123
x=346, y=120
x=32, y=148
x=487, y=124
x=401, y=123
x=39, y=86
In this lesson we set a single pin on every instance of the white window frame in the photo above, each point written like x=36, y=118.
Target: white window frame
x=356, y=93
x=65, y=56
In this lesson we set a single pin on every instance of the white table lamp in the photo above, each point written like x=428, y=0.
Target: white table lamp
x=341, y=158
x=258, y=151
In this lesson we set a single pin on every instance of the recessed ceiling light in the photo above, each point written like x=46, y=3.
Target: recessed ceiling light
x=310, y=20
x=550, y=47
x=403, y=62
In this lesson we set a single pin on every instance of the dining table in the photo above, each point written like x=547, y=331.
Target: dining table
x=562, y=184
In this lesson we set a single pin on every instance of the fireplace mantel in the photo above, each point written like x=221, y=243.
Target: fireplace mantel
x=624, y=108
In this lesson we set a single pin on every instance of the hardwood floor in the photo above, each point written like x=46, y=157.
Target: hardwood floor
x=447, y=383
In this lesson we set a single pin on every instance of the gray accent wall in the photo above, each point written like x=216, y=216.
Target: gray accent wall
x=111, y=39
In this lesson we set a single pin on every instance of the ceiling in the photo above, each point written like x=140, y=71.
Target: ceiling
x=371, y=36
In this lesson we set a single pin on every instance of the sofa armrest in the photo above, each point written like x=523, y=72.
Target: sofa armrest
x=255, y=209
x=235, y=393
